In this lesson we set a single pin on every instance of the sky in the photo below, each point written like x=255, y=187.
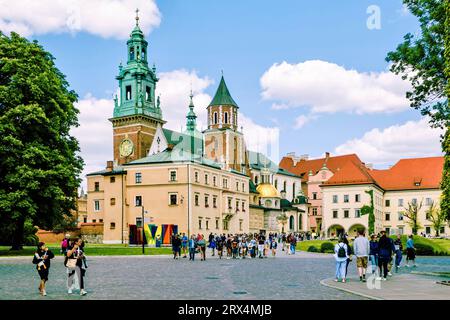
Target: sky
x=309, y=76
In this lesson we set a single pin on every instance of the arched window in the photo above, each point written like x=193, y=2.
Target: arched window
x=226, y=117
x=143, y=54
x=215, y=118
x=138, y=53
x=291, y=222
x=276, y=184
x=131, y=53
x=268, y=203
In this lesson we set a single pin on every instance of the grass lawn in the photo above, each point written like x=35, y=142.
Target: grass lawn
x=91, y=250
x=304, y=245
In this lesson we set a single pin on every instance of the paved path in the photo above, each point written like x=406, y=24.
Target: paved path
x=398, y=287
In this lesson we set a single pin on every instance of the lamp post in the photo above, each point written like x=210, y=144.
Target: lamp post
x=143, y=229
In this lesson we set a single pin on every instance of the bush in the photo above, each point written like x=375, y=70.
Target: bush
x=327, y=247
x=424, y=249
x=313, y=249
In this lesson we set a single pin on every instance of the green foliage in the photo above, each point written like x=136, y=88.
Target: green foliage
x=313, y=249
x=424, y=59
x=327, y=247
x=412, y=213
x=370, y=211
x=39, y=164
x=423, y=249
x=436, y=216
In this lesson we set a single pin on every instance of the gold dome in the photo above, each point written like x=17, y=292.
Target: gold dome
x=266, y=190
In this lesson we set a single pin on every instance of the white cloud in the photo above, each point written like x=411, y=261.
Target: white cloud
x=105, y=18
x=302, y=120
x=325, y=87
x=387, y=146
x=95, y=131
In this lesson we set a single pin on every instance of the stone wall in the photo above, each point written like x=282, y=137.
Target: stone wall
x=92, y=232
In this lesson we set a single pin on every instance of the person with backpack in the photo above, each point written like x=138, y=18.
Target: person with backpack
x=65, y=244
x=341, y=256
x=41, y=259
x=349, y=254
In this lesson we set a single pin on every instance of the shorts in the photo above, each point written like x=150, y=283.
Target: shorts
x=43, y=273
x=410, y=253
x=361, y=262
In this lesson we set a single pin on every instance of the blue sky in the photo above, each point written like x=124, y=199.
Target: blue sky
x=245, y=39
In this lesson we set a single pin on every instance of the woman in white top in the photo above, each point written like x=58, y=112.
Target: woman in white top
x=340, y=255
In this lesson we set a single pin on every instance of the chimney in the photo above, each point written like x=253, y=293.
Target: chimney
x=304, y=157
x=109, y=165
x=327, y=155
x=290, y=154
x=369, y=166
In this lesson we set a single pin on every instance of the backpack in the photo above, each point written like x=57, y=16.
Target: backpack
x=64, y=244
x=341, y=252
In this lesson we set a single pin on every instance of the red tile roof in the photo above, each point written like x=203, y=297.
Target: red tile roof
x=303, y=167
x=351, y=173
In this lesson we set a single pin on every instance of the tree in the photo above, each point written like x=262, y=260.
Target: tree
x=436, y=216
x=412, y=213
x=366, y=209
x=424, y=60
x=282, y=219
x=39, y=164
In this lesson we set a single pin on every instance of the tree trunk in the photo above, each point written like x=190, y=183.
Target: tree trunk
x=17, y=241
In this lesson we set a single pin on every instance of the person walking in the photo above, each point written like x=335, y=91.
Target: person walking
x=41, y=259
x=192, y=245
x=340, y=256
x=273, y=246
x=293, y=244
x=74, y=264
x=349, y=254
x=202, y=244
x=261, y=241
x=184, y=244
x=176, y=246
x=398, y=252
x=361, y=249
x=373, y=254
x=212, y=245
x=283, y=242
x=385, y=253
x=410, y=251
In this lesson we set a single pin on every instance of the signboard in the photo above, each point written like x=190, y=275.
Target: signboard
x=148, y=219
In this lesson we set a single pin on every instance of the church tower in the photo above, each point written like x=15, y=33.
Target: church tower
x=224, y=143
x=137, y=111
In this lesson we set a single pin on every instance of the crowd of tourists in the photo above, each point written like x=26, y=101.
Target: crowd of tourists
x=233, y=246
x=382, y=251
x=75, y=262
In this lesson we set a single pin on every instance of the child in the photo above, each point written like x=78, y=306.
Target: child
x=41, y=259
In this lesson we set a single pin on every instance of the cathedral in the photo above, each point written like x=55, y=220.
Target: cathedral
x=162, y=181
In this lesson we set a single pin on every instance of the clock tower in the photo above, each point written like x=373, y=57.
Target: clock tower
x=137, y=111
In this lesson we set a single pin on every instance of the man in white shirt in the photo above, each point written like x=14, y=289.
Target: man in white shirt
x=361, y=248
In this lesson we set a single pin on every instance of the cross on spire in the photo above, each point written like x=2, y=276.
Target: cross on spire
x=137, y=17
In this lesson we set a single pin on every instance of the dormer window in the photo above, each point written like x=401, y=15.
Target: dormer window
x=417, y=184
x=417, y=181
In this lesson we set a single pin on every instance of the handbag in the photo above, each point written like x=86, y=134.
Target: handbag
x=71, y=263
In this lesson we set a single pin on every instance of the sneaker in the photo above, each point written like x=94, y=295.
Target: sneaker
x=69, y=291
x=343, y=280
x=384, y=279
x=336, y=280
x=44, y=293
x=389, y=273
x=83, y=292
x=378, y=278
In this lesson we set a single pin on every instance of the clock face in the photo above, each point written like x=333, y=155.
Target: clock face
x=126, y=148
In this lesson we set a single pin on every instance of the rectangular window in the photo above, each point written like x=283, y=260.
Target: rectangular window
x=173, y=175
x=387, y=217
x=442, y=230
x=112, y=225
x=427, y=230
x=138, y=201
x=138, y=177
x=400, y=202
x=207, y=224
x=243, y=206
x=196, y=176
x=217, y=223
x=314, y=195
x=214, y=202
x=138, y=222
x=335, y=199
x=214, y=181
x=237, y=186
x=206, y=179
x=225, y=183
x=314, y=211
x=243, y=187
x=196, y=197
x=400, y=216
x=85, y=219
x=357, y=213
x=97, y=186
x=96, y=205
x=240, y=225
x=237, y=205
x=112, y=179
x=387, y=203
x=428, y=202
x=94, y=221
x=335, y=214
x=229, y=203
x=346, y=198
x=112, y=201
x=225, y=224
x=128, y=92
x=357, y=197
x=206, y=201
x=388, y=231
x=400, y=230
x=346, y=213
x=199, y=223
x=173, y=199
x=414, y=201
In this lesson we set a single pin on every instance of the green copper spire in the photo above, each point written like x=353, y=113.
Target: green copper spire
x=137, y=81
x=222, y=96
x=191, y=124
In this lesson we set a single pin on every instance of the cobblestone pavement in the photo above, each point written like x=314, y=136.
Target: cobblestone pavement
x=161, y=277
